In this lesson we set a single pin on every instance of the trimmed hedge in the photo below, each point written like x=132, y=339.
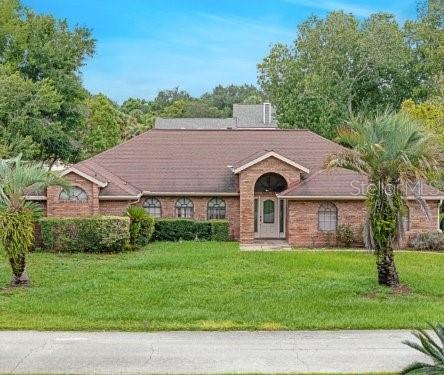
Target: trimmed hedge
x=189, y=230
x=96, y=234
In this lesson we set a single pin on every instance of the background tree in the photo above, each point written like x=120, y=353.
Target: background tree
x=16, y=214
x=223, y=97
x=44, y=51
x=340, y=66
x=102, y=129
x=394, y=152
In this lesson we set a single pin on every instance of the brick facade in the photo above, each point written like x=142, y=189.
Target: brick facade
x=55, y=207
x=303, y=228
x=247, y=180
x=168, y=209
x=302, y=216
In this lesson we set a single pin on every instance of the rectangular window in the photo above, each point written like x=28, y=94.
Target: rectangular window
x=268, y=212
x=281, y=216
x=256, y=203
x=184, y=212
x=327, y=221
x=154, y=211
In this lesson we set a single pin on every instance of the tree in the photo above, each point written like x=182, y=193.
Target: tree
x=394, y=151
x=102, y=128
x=340, y=66
x=165, y=98
x=16, y=214
x=46, y=51
x=223, y=98
x=425, y=36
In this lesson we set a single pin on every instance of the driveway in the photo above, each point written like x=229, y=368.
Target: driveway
x=204, y=352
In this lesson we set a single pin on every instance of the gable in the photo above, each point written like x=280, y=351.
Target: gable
x=268, y=155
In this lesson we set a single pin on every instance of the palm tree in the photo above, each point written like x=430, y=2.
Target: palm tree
x=394, y=151
x=17, y=215
x=431, y=348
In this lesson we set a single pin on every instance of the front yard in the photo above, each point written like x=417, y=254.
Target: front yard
x=214, y=286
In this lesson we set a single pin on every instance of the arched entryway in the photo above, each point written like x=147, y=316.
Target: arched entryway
x=269, y=211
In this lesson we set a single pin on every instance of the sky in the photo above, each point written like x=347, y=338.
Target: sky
x=144, y=46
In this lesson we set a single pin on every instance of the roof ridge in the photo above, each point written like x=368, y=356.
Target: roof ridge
x=121, y=183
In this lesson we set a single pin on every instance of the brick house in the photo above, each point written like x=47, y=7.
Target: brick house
x=268, y=183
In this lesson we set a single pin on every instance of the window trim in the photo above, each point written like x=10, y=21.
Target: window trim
x=332, y=205
x=219, y=205
x=66, y=190
x=147, y=207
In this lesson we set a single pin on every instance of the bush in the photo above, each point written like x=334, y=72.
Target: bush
x=345, y=235
x=220, y=230
x=189, y=230
x=141, y=226
x=97, y=234
x=428, y=241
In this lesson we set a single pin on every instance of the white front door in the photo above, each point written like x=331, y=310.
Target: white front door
x=268, y=218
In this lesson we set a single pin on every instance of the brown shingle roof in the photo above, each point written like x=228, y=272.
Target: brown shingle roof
x=341, y=182
x=198, y=160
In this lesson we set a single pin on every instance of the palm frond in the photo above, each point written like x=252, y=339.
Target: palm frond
x=431, y=348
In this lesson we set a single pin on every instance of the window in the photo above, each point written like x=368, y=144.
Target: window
x=281, y=215
x=268, y=211
x=216, y=209
x=256, y=204
x=405, y=218
x=153, y=207
x=270, y=182
x=328, y=216
x=73, y=194
x=184, y=208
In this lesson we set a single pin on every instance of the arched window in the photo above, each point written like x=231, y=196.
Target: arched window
x=153, y=207
x=73, y=194
x=184, y=208
x=405, y=218
x=270, y=182
x=216, y=209
x=328, y=216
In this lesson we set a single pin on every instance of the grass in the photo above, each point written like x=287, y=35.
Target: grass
x=214, y=286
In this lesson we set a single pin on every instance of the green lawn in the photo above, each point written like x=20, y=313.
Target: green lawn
x=214, y=286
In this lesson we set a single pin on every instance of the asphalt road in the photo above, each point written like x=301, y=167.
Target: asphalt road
x=204, y=352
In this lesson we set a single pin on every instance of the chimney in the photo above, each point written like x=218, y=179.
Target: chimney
x=267, y=113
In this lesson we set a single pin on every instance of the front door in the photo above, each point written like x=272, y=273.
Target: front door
x=268, y=217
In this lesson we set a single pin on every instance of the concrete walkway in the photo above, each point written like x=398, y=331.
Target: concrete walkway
x=204, y=352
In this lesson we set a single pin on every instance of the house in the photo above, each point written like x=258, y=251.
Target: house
x=251, y=116
x=268, y=183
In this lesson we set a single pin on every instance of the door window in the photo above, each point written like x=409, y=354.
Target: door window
x=268, y=212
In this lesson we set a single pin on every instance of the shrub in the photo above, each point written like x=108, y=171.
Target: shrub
x=428, y=241
x=188, y=230
x=345, y=235
x=220, y=230
x=432, y=347
x=97, y=234
x=141, y=226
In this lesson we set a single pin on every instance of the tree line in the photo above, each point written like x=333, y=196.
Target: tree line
x=337, y=68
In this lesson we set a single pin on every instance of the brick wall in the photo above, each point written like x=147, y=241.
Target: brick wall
x=55, y=207
x=168, y=209
x=247, y=180
x=302, y=224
